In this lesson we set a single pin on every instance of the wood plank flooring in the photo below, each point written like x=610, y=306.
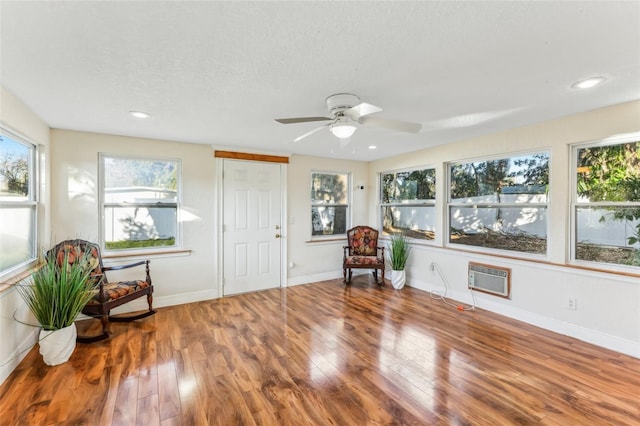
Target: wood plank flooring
x=325, y=354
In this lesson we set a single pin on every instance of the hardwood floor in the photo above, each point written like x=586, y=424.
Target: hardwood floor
x=324, y=354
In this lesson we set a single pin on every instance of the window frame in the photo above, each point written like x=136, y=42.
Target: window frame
x=103, y=205
x=426, y=203
x=32, y=202
x=348, y=213
x=574, y=204
x=490, y=250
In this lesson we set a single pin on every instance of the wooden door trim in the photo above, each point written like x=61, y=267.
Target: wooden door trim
x=251, y=157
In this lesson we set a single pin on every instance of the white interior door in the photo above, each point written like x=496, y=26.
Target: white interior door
x=252, y=212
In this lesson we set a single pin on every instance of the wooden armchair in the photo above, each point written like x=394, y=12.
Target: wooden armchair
x=362, y=251
x=108, y=295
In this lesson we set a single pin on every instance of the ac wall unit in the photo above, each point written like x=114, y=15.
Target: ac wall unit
x=490, y=279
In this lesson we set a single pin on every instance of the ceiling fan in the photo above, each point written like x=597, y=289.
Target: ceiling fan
x=346, y=110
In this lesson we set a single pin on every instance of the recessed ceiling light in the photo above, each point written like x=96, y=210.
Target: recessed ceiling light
x=588, y=82
x=372, y=147
x=139, y=114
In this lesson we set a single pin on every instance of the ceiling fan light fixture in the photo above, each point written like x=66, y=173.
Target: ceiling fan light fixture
x=343, y=130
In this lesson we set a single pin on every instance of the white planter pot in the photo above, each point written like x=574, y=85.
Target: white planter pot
x=56, y=346
x=398, y=278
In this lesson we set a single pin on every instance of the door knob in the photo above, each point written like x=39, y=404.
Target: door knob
x=277, y=235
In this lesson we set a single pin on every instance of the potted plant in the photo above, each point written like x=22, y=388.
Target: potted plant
x=398, y=254
x=56, y=293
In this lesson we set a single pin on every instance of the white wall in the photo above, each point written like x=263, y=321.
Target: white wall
x=75, y=208
x=608, y=305
x=17, y=338
x=608, y=311
x=316, y=261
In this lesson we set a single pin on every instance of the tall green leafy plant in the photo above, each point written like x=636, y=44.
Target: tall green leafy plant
x=399, y=251
x=55, y=293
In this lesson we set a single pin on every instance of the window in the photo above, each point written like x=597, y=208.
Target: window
x=18, y=203
x=139, y=202
x=329, y=203
x=606, y=203
x=500, y=204
x=407, y=201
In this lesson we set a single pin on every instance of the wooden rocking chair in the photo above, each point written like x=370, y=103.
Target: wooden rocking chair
x=108, y=295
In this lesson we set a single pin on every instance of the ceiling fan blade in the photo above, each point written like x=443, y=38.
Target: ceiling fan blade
x=301, y=119
x=402, y=126
x=317, y=129
x=361, y=110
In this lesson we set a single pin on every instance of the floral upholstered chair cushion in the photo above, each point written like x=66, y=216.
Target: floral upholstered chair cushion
x=113, y=291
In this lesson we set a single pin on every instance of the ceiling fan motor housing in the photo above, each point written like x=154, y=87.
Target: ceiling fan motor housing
x=340, y=102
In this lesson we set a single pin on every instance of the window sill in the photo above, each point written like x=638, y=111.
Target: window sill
x=329, y=240
x=10, y=281
x=147, y=254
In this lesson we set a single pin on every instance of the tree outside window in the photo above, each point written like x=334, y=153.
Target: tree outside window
x=407, y=201
x=329, y=204
x=607, y=203
x=500, y=204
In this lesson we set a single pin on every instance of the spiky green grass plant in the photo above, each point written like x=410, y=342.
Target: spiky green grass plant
x=56, y=294
x=399, y=248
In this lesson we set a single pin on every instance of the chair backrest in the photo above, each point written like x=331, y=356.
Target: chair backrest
x=79, y=250
x=362, y=241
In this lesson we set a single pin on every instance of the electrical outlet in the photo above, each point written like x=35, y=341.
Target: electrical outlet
x=572, y=303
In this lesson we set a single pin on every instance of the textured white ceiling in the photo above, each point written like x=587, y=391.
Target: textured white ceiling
x=219, y=72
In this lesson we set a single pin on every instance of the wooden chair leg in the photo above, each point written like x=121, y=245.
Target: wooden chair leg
x=104, y=321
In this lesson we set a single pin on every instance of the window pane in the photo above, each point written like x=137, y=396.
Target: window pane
x=409, y=186
x=412, y=221
x=329, y=220
x=608, y=235
x=329, y=188
x=609, y=173
x=522, y=229
x=472, y=182
x=131, y=227
x=17, y=239
x=18, y=209
x=15, y=167
x=140, y=181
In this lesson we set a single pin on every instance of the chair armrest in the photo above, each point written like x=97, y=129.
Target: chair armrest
x=118, y=267
x=131, y=265
x=381, y=251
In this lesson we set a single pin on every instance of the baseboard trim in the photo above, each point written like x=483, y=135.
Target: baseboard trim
x=598, y=338
x=164, y=301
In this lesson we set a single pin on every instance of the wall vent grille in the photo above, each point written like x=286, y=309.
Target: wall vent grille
x=490, y=279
